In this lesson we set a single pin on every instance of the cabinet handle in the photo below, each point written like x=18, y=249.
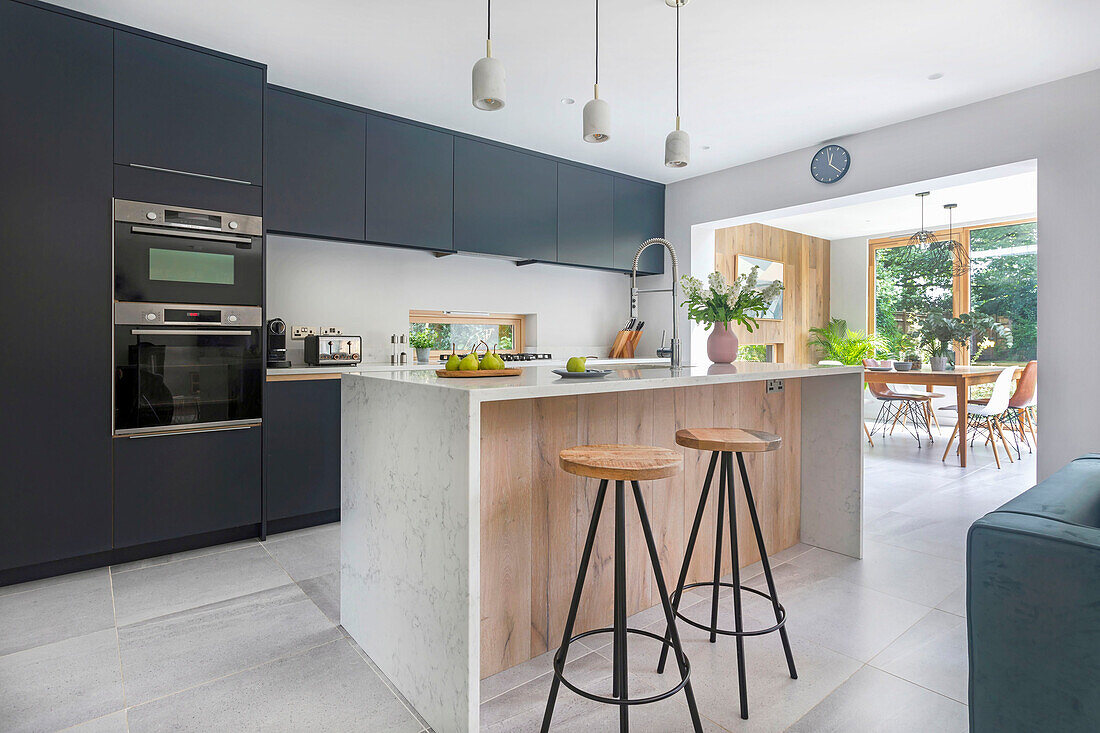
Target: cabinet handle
x=185, y=332
x=189, y=173
x=190, y=235
x=186, y=432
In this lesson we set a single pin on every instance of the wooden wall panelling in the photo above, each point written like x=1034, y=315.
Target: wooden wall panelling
x=667, y=507
x=636, y=428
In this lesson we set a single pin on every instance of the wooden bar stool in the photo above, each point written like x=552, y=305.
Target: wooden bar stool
x=621, y=463
x=724, y=443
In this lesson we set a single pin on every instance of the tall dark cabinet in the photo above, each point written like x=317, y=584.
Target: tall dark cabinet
x=585, y=217
x=315, y=177
x=55, y=216
x=639, y=215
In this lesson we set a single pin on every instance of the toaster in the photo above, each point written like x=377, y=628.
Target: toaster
x=333, y=350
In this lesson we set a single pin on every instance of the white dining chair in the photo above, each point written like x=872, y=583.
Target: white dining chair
x=984, y=416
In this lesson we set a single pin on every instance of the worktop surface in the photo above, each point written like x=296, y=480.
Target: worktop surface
x=541, y=381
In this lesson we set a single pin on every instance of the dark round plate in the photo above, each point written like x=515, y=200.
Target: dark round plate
x=587, y=374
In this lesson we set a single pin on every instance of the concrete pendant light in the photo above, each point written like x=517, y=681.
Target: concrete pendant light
x=488, y=74
x=597, y=113
x=677, y=144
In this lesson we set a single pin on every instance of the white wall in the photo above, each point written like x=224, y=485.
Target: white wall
x=848, y=281
x=1059, y=125
x=369, y=291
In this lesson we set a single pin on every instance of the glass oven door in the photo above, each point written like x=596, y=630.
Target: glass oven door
x=184, y=378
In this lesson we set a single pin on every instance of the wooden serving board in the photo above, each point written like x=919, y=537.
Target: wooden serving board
x=479, y=373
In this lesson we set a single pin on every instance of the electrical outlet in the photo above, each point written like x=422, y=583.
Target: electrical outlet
x=331, y=331
x=300, y=332
x=774, y=385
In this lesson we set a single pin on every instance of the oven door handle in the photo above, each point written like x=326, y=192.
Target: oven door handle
x=185, y=332
x=191, y=234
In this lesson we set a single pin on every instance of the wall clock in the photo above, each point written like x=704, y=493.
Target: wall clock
x=830, y=164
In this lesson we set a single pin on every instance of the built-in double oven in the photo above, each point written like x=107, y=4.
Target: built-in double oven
x=188, y=333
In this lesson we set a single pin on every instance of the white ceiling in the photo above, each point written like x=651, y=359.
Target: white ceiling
x=758, y=78
x=1011, y=197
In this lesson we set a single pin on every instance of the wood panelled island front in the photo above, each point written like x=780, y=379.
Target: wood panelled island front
x=461, y=535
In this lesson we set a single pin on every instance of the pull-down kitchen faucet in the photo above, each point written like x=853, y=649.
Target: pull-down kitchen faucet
x=674, y=346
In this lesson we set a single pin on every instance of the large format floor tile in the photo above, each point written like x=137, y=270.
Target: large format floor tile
x=113, y=723
x=177, y=586
x=932, y=654
x=329, y=688
x=307, y=553
x=176, y=556
x=324, y=590
x=170, y=653
x=52, y=612
x=874, y=701
x=61, y=684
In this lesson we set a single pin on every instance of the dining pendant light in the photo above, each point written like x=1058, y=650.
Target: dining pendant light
x=597, y=113
x=923, y=239
x=960, y=257
x=488, y=74
x=677, y=143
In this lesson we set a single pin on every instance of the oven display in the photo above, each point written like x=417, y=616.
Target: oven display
x=183, y=315
x=190, y=266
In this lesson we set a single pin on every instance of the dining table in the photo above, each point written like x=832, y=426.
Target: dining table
x=962, y=378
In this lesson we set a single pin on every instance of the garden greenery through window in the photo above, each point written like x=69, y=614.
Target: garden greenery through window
x=502, y=332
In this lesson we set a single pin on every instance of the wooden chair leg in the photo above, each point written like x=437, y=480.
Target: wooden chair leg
x=1031, y=426
x=989, y=427
x=928, y=417
x=934, y=418
x=997, y=424
x=949, y=442
x=1020, y=426
x=868, y=433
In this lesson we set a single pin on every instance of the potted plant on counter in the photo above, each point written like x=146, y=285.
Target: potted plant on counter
x=720, y=304
x=938, y=334
x=837, y=342
x=422, y=340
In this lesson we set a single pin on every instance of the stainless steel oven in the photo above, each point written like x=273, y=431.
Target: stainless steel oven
x=170, y=254
x=181, y=367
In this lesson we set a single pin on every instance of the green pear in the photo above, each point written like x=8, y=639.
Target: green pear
x=468, y=363
x=453, y=362
x=575, y=364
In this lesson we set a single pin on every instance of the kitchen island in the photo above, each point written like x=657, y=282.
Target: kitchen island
x=461, y=535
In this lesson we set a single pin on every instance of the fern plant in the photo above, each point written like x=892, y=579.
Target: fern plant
x=837, y=342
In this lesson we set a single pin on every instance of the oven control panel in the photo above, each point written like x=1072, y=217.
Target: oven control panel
x=179, y=314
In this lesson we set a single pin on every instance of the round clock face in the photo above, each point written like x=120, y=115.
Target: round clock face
x=830, y=164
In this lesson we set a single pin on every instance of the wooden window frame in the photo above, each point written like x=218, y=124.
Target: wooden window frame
x=516, y=321
x=960, y=284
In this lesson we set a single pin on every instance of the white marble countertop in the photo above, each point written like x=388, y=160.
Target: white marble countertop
x=540, y=381
x=385, y=367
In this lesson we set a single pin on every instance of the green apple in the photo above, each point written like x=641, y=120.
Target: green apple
x=575, y=364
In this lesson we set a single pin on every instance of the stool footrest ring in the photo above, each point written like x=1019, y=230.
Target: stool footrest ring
x=729, y=632
x=559, y=665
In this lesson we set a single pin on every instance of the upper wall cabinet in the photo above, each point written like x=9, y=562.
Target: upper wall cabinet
x=585, y=217
x=185, y=110
x=315, y=180
x=505, y=201
x=410, y=184
x=639, y=215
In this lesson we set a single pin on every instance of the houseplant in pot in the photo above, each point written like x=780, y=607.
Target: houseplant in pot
x=422, y=340
x=721, y=304
x=938, y=334
x=837, y=342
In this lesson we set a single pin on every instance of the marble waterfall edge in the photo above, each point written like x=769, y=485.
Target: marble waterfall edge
x=409, y=578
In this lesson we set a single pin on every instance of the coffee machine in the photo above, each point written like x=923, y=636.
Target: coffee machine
x=276, y=344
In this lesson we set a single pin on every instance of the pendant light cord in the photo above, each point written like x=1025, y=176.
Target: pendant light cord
x=488, y=20
x=677, y=64
x=597, y=43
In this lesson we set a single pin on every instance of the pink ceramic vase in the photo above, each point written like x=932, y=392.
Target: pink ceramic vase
x=722, y=344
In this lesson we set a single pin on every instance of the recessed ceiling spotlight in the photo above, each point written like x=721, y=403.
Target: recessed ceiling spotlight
x=933, y=77
x=567, y=100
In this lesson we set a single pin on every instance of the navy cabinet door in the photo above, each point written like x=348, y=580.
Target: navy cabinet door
x=172, y=486
x=639, y=215
x=55, y=215
x=410, y=185
x=585, y=217
x=185, y=110
x=302, y=447
x=316, y=176
x=505, y=202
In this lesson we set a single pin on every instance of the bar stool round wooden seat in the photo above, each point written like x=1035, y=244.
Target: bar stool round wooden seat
x=621, y=463
x=724, y=443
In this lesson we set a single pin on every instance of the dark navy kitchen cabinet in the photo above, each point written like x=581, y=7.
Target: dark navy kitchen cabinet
x=302, y=449
x=410, y=184
x=186, y=110
x=639, y=215
x=315, y=176
x=506, y=201
x=185, y=484
x=586, y=220
x=55, y=215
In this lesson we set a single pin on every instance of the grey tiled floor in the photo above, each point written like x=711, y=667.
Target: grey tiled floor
x=246, y=637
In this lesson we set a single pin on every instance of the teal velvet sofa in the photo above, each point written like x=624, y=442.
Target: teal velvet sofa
x=1033, y=607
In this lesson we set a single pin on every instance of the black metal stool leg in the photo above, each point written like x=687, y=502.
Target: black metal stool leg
x=687, y=557
x=738, y=624
x=662, y=591
x=619, y=664
x=574, y=605
x=766, y=564
x=717, y=556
